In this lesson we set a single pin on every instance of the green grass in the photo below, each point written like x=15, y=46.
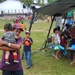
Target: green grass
x=43, y=62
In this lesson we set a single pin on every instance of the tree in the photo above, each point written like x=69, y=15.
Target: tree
x=1, y=1
x=51, y=1
x=27, y=2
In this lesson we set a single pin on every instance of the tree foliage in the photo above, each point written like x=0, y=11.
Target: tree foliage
x=1, y=1
x=51, y=1
x=28, y=2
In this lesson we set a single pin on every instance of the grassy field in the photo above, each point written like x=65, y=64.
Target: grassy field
x=43, y=62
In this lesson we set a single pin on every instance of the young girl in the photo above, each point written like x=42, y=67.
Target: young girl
x=56, y=41
x=63, y=44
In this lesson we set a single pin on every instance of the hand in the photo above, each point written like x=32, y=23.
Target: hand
x=27, y=39
x=2, y=42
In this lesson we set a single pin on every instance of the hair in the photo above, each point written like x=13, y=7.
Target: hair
x=8, y=27
x=63, y=35
x=55, y=29
x=22, y=22
x=58, y=27
x=67, y=24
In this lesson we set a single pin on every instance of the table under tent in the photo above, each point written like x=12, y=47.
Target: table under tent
x=54, y=9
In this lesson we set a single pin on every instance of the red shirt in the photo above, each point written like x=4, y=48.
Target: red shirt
x=72, y=32
x=29, y=17
x=63, y=42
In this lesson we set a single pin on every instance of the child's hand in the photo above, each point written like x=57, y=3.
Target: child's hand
x=27, y=39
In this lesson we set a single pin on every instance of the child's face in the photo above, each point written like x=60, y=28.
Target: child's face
x=62, y=37
x=27, y=35
x=5, y=30
x=56, y=32
x=17, y=32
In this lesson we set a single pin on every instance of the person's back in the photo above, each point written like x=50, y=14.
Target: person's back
x=9, y=37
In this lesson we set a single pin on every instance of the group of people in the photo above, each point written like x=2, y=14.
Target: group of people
x=60, y=40
x=10, y=43
x=58, y=43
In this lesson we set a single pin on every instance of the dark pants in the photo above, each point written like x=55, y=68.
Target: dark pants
x=71, y=53
x=17, y=72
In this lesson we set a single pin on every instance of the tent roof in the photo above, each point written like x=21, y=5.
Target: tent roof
x=57, y=7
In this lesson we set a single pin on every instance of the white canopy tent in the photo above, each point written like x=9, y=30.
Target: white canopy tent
x=13, y=7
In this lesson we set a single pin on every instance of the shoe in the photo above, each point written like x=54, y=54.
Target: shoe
x=72, y=63
x=28, y=67
x=7, y=63
x=16, y=61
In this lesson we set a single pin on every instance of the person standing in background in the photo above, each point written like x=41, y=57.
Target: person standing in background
x=23, y=26
x=29, y=19
x=27, y=49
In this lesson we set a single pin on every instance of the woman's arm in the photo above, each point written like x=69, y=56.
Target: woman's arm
x=53, y=41
x=5, y=48
x=13, y=46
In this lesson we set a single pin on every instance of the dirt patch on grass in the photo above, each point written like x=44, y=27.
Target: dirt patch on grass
x=1, y=30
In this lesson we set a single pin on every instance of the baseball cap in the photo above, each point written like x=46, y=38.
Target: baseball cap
x=27, y=32
x=17, y=26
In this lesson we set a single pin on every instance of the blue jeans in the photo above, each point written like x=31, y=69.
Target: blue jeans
x=17, y=72
x=28, y=58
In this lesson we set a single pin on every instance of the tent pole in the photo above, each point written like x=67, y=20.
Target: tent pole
x=50, y=26
x=45, y=43
x=32, y=19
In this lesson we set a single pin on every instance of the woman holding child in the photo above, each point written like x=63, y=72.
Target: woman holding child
x=12, y=69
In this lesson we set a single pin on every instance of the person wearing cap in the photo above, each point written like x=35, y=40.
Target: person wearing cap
x=72, y=53
x=27, y=42
x=9, y=37
x=12, y=69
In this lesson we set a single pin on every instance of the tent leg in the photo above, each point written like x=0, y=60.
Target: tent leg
x=45, y=43
x=32, y=20
x=50, y=26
